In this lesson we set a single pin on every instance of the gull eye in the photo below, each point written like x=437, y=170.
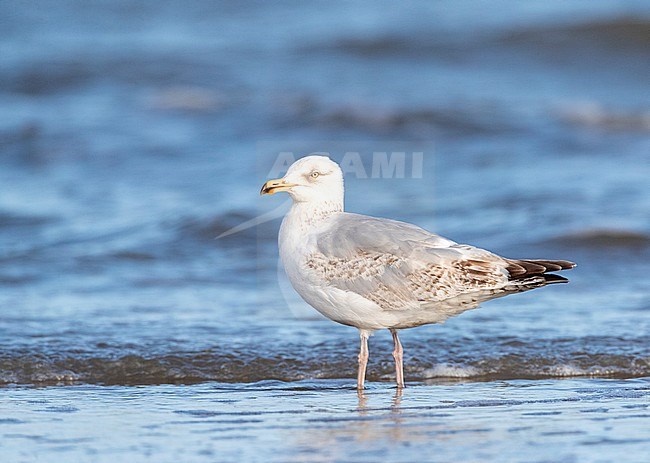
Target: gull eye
x=314, y=174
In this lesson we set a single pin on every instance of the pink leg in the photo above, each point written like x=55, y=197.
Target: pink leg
x=363, y=359
x=398, y=356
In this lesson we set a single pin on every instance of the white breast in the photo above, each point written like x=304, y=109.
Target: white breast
x=297, y=241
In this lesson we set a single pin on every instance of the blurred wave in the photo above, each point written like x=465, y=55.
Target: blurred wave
x=609, y=35
x=484, y=359
x=612, y=34
x=413, y=122
x=604, y=238
x=594, y=115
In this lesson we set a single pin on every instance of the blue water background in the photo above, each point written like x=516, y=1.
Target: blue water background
x=132, y=134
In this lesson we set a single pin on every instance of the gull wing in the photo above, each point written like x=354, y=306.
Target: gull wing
x=348, y=233
x=399, y=265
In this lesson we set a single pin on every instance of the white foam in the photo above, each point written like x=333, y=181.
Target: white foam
x=567, y=370
x=445, y=370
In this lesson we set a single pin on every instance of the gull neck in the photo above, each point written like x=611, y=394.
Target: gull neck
x=309, y=213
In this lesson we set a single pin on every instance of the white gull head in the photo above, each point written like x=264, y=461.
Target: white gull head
x=313, y=180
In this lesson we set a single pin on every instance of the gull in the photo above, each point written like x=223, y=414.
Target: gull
x=374, y=273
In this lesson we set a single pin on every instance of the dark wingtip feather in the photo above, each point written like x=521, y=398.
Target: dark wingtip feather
x=552, y=278
x=522, y=268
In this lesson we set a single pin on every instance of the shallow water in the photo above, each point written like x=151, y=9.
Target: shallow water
x=132, y=135
x=561, y=421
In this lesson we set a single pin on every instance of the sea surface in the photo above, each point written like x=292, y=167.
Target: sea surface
x=143, y=312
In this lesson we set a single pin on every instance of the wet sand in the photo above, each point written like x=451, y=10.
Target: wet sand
x=552, y=421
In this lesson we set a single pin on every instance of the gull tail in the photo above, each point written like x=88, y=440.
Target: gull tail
x=528, y=273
